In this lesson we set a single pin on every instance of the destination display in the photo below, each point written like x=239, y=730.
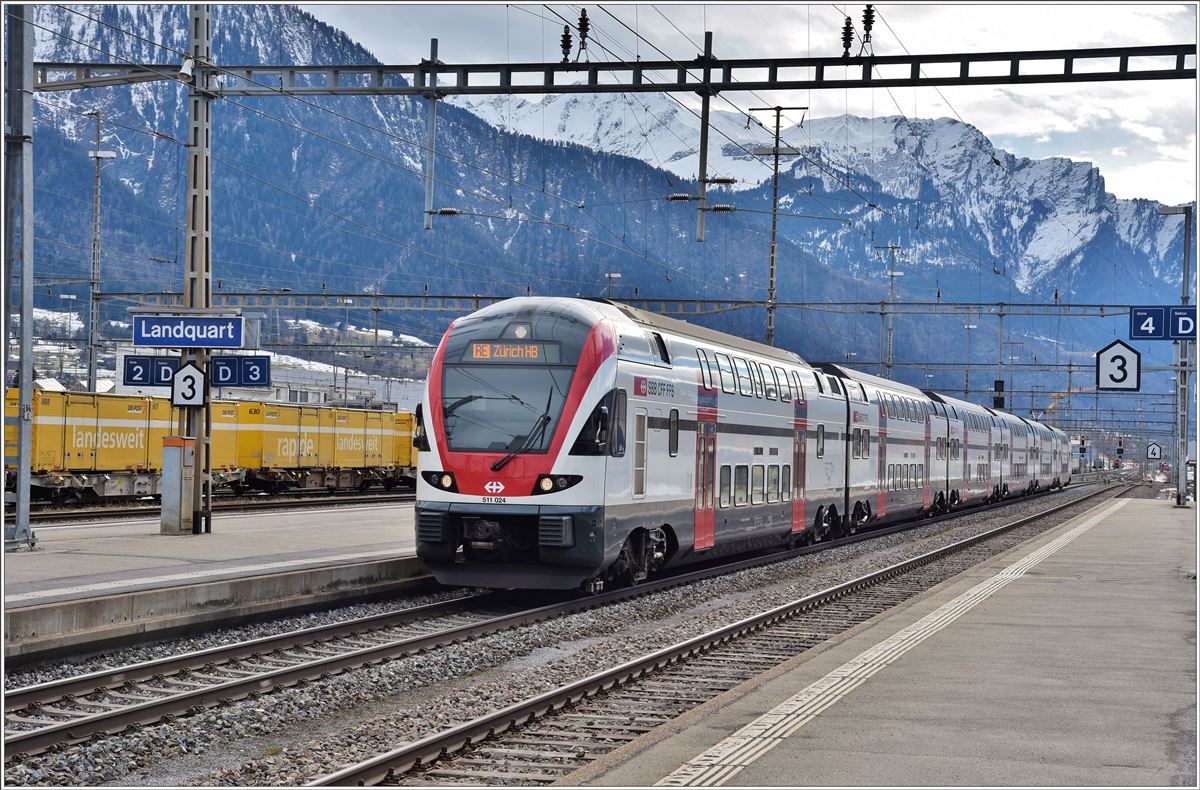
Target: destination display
x=509, y=351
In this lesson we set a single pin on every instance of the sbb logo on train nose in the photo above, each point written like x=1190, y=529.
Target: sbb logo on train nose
x=493, y=487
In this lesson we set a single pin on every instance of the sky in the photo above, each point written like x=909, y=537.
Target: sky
x=1141, y=134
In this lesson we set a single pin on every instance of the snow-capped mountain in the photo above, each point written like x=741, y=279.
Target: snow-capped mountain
x=553, y=194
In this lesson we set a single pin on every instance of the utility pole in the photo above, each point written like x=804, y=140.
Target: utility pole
x=94, y=281
x=892, y=275
x=706, y=94
x=1182, y=362
x=771, y=276
x=431, y=96
x=18, y=186
x=197, y=283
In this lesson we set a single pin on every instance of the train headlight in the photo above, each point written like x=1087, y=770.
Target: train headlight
x=549, y=484
x=442, y=480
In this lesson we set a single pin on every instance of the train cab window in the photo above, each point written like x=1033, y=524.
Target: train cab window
x=673, y=433
x=820, y=441
x=757, y=484
x=741, y=485
x=660, y=346
x=725, y=369
x=705, y=369
x=773, y=483
x=785, y=392
x=856, y=444
x=785, y=483
x=866, y=443
x=726, y=477
x=772, y=385
x=616, y=439
x=745, y=383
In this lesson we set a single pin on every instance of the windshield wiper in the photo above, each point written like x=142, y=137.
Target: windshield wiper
x=533, y=437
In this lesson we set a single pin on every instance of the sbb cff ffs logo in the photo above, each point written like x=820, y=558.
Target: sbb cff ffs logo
x=493, y=487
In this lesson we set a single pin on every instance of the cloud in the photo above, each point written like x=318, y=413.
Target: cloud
x=1119, y=151
x=1154, y=133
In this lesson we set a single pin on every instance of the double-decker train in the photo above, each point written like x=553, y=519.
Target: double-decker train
x=582, y=443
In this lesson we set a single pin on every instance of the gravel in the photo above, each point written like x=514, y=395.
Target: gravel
x=293, y=735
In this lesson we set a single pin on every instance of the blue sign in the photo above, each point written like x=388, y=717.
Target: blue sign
x=240, y=371
x=224, y=372
x=1147, y=323
x=256, y=371
x=136, y=372
x=1162, y=322
x=162, y=370
x=187, y=331
x=1182, y=323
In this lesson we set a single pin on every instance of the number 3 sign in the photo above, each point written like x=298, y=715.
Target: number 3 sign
x=1118, y=367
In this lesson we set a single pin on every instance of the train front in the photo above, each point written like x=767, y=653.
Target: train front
x=510, y=488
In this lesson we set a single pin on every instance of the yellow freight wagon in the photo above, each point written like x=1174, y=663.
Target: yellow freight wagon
x=281, y=437
x=223, y=441
x=250, y=435
x=349, y=449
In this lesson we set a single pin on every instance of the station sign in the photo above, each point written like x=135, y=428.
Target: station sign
x=1162, y=322
x=250, y=371
x=188, y=331
x=1118, y=367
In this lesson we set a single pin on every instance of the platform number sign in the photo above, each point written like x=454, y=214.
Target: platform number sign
x=187, y=386
x=1162, y=322
x=241, y=371
x=1153, y=452
x=136, y=372
x=1118, y=367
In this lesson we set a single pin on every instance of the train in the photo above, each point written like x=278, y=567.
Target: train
x=583, y=443
x=90, y=447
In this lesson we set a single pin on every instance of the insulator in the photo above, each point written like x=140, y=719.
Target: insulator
x=566, y=43
x=847, y=37
x=583, y=28
x=868, y=23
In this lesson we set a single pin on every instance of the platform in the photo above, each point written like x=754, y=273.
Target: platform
x=1068, y=660
x=108, y=581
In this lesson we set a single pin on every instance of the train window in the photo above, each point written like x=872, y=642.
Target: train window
x=820, y=441
x=797, y=389
x=705, y=369
x=745, y=384
x=701, y=475
x=785, y=483
x=769, y=379
x=725, y=369
x=757, y=484
x=639, y=453
x=834, y=387
x=862, y=390
x=725, y=486
x=820, y=382
x=741, y=485
x=673, y=433
x=799, y=451
x=756, y=377
x=773, y=483
x=660, y=346
x=712, y=460
x=921, y=474
x=785, y=392
x=856, y=443
x=617, y=437
x=910, y=408
x=866, y=443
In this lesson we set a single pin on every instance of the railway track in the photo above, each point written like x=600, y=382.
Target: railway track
x=74, y=709
x=543, y=739
x=244, y=505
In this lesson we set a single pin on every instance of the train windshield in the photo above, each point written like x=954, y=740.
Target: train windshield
x=502, y=409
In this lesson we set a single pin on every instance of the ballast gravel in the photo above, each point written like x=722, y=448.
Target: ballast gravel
x=294, y=735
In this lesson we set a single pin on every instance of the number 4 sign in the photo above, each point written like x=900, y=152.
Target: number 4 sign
x=1118, y=367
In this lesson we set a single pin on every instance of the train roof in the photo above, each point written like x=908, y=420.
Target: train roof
x=678, y=327
x=876, y=381
x=956, y=403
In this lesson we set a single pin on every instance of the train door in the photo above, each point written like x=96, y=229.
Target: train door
x=799, y=471
x=706, y=462
x=640, y=418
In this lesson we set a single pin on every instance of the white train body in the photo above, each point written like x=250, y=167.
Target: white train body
x=577, y=442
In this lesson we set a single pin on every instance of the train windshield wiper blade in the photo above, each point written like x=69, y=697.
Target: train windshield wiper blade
x=534, y=435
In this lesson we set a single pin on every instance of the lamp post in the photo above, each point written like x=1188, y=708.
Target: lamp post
x=1182, y=353
x=967, y=378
